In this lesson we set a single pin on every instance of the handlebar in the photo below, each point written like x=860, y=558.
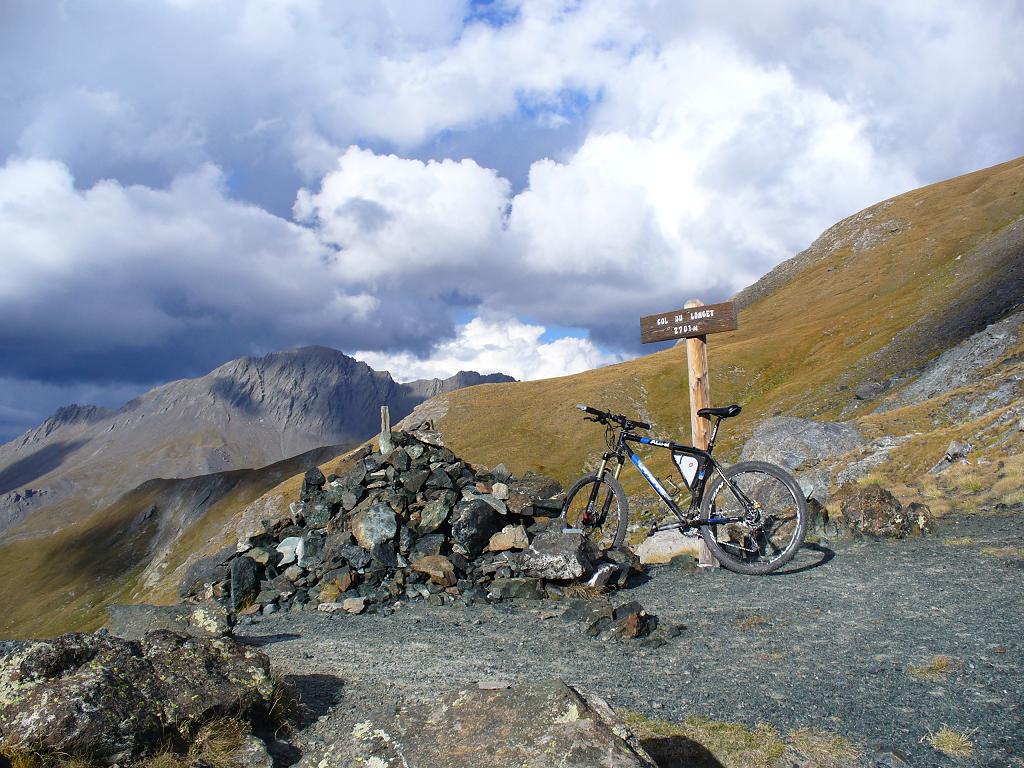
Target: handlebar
x=603, y=417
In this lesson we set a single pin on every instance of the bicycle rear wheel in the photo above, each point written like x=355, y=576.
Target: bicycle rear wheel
x=773, y=517
x=598, y=506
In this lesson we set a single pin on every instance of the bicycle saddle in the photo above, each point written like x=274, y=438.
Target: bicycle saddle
x=723, y=413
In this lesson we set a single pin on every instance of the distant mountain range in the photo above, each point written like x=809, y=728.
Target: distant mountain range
x=247, y=413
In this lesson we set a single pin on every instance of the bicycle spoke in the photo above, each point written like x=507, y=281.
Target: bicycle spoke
x=768, y=518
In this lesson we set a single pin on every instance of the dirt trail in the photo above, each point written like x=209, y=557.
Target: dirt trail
x=827, y=644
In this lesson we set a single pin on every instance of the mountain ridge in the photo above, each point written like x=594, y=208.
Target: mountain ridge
x=249, y=412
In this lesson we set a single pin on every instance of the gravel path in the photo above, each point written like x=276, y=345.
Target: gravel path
x=826, y=644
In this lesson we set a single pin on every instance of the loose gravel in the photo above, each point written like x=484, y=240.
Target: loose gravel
x=831, y=643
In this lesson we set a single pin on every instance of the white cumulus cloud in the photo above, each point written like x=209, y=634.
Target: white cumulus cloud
x=496, y=345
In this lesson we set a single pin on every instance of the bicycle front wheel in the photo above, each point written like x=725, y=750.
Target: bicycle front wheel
x=598, y=507
x=768, y=517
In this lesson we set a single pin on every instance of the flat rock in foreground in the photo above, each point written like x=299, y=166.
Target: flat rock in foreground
x=533, y=725
x=110, y=700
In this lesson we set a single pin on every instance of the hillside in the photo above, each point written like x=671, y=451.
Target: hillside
x=247, y=413
x=120, y=553
x=865, y=312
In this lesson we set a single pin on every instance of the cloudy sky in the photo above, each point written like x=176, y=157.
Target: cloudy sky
x=441, y=185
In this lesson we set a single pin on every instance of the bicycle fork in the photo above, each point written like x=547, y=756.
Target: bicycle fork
x=586, y=518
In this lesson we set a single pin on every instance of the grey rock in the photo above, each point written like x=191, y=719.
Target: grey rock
x=496, y=504
x=132, y=622
x=962, y=365
x=559, y=555
x=355, y=556
x=318, y=515
x=414, y=479
x=252, y=754
x=531, y=487
x=807, y=448
x=431, y=544
x=206, y=570
x=290, y=549
x=524, y=726
x=516, y=588
x=309, y=554
x=245, y=580
x=869, y=390
x=439, y=479
x=313, y=480
x=374, y=525
x=114, y=700
x=433, y=516
x=473, y=523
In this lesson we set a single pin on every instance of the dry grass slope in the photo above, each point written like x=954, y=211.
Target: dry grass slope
x=800, y=349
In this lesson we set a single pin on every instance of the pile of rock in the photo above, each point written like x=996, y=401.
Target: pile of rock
x=414, y=523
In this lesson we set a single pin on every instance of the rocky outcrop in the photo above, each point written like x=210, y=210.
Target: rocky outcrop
x=873, y=511
x=532, y=725
x=807, y=448
x=133, y=622
x=111, y=700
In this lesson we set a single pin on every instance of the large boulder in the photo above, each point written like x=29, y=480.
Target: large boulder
x=132, y=622
x=112, y=700
x=374, y=525
x=871, y=510
x=206, y=571
x=559, y=555
x=433, y=516
x=532, y=725
x=807, y=448
x=663, y=546
x=524, y=492
x=245, y=580
x=438, y=569
x=474, y=521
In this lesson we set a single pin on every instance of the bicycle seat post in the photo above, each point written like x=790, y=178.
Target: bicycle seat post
x=714, y=434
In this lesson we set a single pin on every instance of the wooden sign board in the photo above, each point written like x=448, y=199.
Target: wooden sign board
x=688, y=323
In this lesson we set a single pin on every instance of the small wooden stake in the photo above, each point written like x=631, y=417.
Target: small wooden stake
x=700, y=397
x=386, y=446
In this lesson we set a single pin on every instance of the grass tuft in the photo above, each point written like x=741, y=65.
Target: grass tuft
x=950, y=742
x=216, y=743
x=937, y=668
x=579, y=591
x=166, y=759
x=1011, y=552
x=286, y=708
x=825, y=749
x=961, y=541
x=732, y=745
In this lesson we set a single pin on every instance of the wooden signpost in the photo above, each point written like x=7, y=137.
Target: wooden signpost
x=693, y=322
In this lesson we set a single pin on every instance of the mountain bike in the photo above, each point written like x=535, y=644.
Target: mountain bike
x=752, y=515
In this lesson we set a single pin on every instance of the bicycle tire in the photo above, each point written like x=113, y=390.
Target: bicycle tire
x=621, y=504
x=736, y=474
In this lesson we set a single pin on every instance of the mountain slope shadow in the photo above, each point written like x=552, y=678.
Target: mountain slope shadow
x=35, y=465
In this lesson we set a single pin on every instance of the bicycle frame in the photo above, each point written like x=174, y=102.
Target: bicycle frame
x=705, y=460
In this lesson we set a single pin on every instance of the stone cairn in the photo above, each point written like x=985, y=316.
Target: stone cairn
x=414, y=523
